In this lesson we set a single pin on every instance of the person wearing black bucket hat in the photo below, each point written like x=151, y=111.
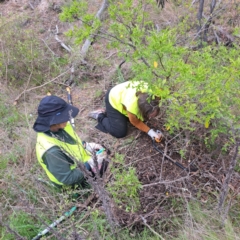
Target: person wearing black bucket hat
x=58, y=147
x=53, y=110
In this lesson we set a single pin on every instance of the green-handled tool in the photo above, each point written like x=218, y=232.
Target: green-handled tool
x=55, y=223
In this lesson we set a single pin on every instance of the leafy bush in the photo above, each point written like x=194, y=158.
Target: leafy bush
x=198, y=87
x=125, y=187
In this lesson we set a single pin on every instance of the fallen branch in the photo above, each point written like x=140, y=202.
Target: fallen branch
x=33, y=88
x=61, y=42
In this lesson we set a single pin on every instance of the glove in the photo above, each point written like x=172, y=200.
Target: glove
x=155, y=135
x=92, y=147
x=100, y=158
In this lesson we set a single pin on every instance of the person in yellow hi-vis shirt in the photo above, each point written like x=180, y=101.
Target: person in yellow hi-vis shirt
x=127, y=101
x=58, y=147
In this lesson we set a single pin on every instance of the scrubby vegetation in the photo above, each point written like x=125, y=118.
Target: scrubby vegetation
x=188, y=52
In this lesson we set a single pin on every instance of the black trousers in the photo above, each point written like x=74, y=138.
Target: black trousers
x=112, y=122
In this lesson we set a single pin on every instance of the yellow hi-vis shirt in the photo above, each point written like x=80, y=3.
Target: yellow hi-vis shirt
x=124, y=94
x=74, y=151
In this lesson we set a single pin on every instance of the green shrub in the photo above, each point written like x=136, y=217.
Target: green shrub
x=125, y=186
x=198, y=87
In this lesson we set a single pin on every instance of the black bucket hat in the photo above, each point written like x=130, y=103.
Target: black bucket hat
x=53, y=110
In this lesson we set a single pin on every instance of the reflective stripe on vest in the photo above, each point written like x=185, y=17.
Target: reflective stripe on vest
x=124, y=94
x=74, y=151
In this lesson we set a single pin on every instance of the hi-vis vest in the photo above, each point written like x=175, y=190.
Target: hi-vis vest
x=74, y=151
x=124, y=94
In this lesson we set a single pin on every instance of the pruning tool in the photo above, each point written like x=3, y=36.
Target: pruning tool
x=189, y=169
x=69, y=97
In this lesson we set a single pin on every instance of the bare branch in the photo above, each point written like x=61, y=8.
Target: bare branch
x=49, y=48
x=33, y=88
x=200, y=11
x=225, y=185
x=165, y=182
x=209, y=21
x=88, y=41
x=61, y=42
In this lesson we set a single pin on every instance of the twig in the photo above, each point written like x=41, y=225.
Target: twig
x=31, y=6
x=140, y=159
x=152, y=230
x=92, y=74
x=110, y=55
x=165, y=182
x=216, y=36
x=193, y=2
x=49, y=48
